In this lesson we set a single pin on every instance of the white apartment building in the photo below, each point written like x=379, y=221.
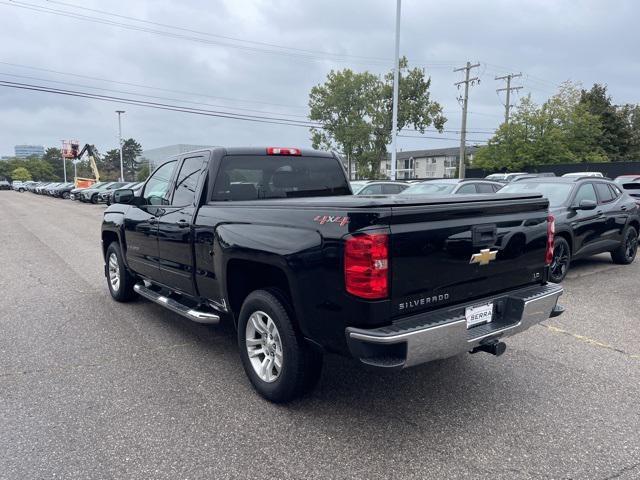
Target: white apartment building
x=434, y=163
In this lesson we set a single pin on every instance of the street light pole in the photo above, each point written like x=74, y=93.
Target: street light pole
x=119, y=112
x=64, y=163
x=396, y=76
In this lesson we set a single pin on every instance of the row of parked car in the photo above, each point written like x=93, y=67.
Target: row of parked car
x=100, y=192
x=593, y=214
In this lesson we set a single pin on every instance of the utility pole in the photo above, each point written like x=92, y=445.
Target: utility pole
x=396, y=78
x=64, y=163
x=119, y=112
x=508, y=89
x=465, y=103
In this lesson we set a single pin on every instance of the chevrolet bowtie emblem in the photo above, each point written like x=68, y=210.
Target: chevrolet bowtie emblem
x=484, y=257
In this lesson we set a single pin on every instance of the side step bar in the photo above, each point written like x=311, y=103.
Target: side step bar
x=175, y=306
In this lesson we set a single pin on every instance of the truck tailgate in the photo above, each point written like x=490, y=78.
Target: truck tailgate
x=446, y=254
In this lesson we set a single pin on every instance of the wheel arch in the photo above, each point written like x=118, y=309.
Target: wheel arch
x=568, y=237
x=244, y=276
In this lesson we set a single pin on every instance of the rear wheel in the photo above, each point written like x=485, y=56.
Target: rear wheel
x=561, y=260
x=626, y=252
x=280, y=364
x=119, y=280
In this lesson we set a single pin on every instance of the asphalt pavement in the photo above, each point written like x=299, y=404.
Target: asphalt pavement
x=90, y=388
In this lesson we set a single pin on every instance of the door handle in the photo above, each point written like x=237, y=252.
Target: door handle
x=153, y=221
x=182, y=224
x=623, y=208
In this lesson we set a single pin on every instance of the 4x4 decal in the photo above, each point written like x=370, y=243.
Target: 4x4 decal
x=322, y=219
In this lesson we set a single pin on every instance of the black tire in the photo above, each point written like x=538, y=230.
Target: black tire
x=301, y=364
x=561, y=260
x=66, y=195
x=94, y=199
x=122, y=291
x=626, y=252
x=21, y=190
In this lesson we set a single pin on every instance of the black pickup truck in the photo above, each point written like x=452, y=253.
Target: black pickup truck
x=274, y=240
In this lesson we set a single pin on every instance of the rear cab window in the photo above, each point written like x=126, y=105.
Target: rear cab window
x=255, y=177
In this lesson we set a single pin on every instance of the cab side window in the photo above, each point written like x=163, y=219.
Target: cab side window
x=616, y=191
x=585, y=192
x=467, y=189
x=604, y=193
x=392, y=189
x=485, y=188
x=185, y=190
x=155, y=191
x=372, y=190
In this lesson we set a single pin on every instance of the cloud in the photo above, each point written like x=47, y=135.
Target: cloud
x=549, y=41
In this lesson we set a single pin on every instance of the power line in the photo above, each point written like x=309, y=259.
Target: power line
x=169, y=34
x=160, y=106
x=157, y=97
x=304, y=54
x=209, y=34
x=479, y=131
x=130, y=84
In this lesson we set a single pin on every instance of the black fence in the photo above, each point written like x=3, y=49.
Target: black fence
x=608, y=169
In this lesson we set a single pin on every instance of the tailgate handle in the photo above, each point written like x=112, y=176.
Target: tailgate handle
x=484, y=235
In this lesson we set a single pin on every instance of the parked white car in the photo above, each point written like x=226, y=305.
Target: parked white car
x=583, y=174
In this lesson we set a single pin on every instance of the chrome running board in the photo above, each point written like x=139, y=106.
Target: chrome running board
x=175, y=306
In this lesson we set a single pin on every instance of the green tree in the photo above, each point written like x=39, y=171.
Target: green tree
x=616, y=132
x=21, y=174
x=355, y=112
x=40, y=170
x=561, y=130
x=131, y=151
x=53, y=157
x=143, y=173
x=109, y=165
x=631, y=114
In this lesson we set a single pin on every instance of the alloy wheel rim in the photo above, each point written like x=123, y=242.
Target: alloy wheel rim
x=560, y=261
x=264, y=346
x=114, y=272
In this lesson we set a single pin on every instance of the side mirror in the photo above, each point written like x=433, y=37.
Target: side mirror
x=586, y=205
x=124, y=195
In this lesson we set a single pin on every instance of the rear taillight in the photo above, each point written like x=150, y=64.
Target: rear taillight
x=283, y=151
x=366, y=265
x=551, y=231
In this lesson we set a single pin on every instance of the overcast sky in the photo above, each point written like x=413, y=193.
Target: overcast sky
x=228, y=57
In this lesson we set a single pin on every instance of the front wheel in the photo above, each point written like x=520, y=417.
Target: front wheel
x=94, y=199
x=626, y=252
x=119, y=280
x=561, y=260
x=280, y=364
x=66, y=195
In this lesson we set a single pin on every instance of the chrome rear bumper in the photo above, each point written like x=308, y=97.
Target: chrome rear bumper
x=443, y=333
